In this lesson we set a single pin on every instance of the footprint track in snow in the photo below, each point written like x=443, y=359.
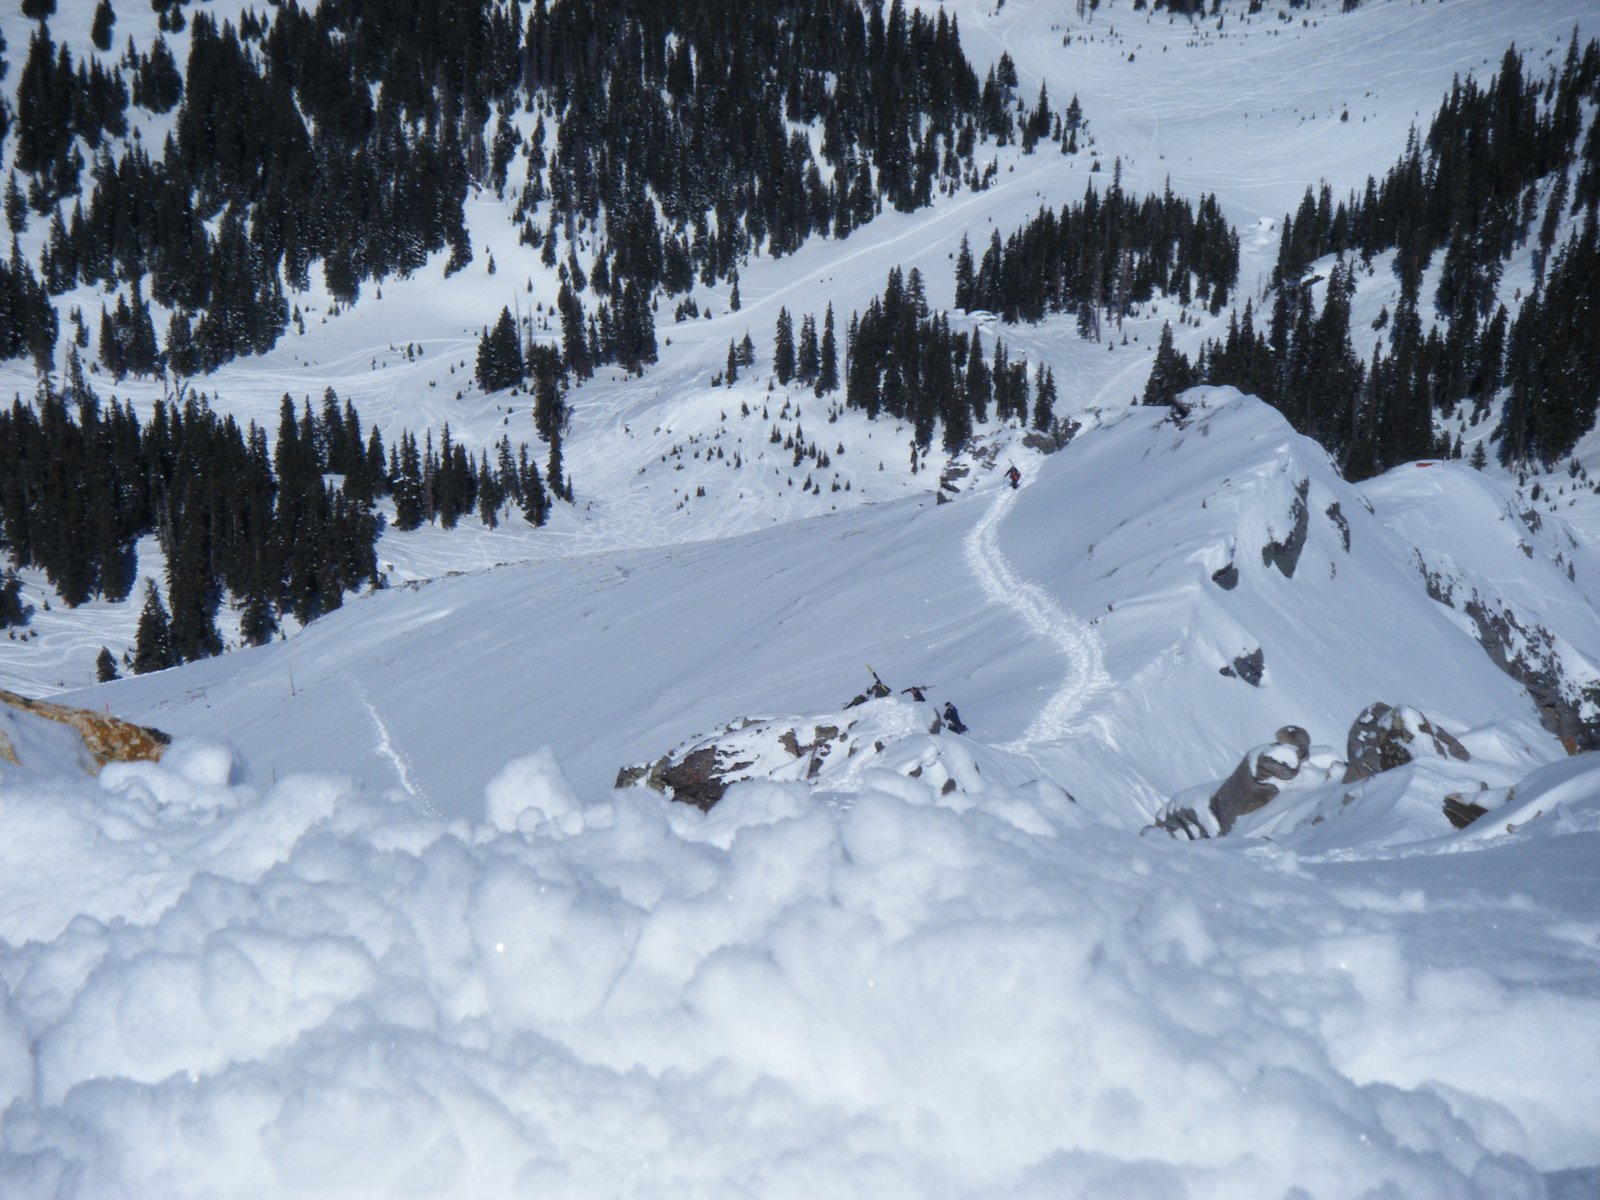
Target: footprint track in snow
x=1086, y=675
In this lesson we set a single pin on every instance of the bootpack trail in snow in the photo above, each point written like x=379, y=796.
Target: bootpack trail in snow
x=397, y=758
x=1086, y=675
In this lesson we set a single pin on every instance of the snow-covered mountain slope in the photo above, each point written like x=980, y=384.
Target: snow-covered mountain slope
x=1086, y=620
x=223, y=989
x=404, y=353
x=379, y=923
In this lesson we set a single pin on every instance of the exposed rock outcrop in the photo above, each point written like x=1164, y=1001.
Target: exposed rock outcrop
x=1530, y=657
x=1248, y=667
x=1285, y=554
x=881, y=737
x=1384, y=737
x=1568, y=703
x=1340, y=522
x=700, y=772
x=1462, y=812
x=1252, y=785
x=106, y=738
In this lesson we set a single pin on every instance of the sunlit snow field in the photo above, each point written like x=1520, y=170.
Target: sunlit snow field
x=380, y=926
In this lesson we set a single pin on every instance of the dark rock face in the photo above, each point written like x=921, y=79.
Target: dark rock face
x=1294, y=736
x=1053, y=440
x=1339, y=521
x=1226, y=578
x=1462, y=812
x=1252, y=785
x=701, y=771
x=1183, y=821
x=700, y=778
x=1248, y=667
x=1384, y=737
x=1285, y=555
x=952, y=476
x=1529, y=656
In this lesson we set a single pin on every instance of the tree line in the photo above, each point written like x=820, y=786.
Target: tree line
x=907, y=363
x=1501, y=165
x=1103, y=255
x=663, y=144
x=285, y=525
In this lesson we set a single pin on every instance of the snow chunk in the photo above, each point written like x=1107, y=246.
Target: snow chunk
x=531, y=795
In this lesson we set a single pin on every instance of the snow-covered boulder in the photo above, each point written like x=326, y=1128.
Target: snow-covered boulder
x=1384, y=737
x=1254, y=784
x=44, y=736
x=831, y=751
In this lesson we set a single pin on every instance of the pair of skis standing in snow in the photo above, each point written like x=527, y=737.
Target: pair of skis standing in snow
x=917, y=692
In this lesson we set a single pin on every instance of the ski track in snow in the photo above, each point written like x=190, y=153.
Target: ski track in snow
x=397, y=758
x=1086, y=674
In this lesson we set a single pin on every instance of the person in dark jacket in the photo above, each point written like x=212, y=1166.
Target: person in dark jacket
x=953, y=719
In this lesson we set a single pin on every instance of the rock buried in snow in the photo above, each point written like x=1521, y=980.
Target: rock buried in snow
x=886, y=733
x=106, y=739
x=1384, y=737
x=701, y=771
x=1462, y=812
x=1248, y=667
x=1254, y=782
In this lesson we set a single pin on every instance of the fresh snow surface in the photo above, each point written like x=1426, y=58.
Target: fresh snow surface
x=220, y=989
x=379, y=925
x=225, y=976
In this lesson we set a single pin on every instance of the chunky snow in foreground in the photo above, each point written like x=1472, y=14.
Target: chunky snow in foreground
x=213, y=989
x=378, y=925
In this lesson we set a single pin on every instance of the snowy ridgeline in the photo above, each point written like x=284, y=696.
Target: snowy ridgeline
x=208, y=988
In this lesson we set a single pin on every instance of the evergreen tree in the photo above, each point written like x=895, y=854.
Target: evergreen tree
x=153, y=643
x=808, y=357
x=104, y=20
x=499, y=355
x=556, y=476
x=1170, y=374
x=257, y=623
x=12, y=611
x=966, y=280
x=783, y=348
x=16, y=206
x=192, y=589
x=828, y=366
x=1044, y=402
x=105, y=666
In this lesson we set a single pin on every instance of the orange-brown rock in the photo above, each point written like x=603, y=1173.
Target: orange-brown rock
x=106, y=738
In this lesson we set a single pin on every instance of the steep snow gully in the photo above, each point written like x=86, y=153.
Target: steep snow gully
x=1086, y=675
